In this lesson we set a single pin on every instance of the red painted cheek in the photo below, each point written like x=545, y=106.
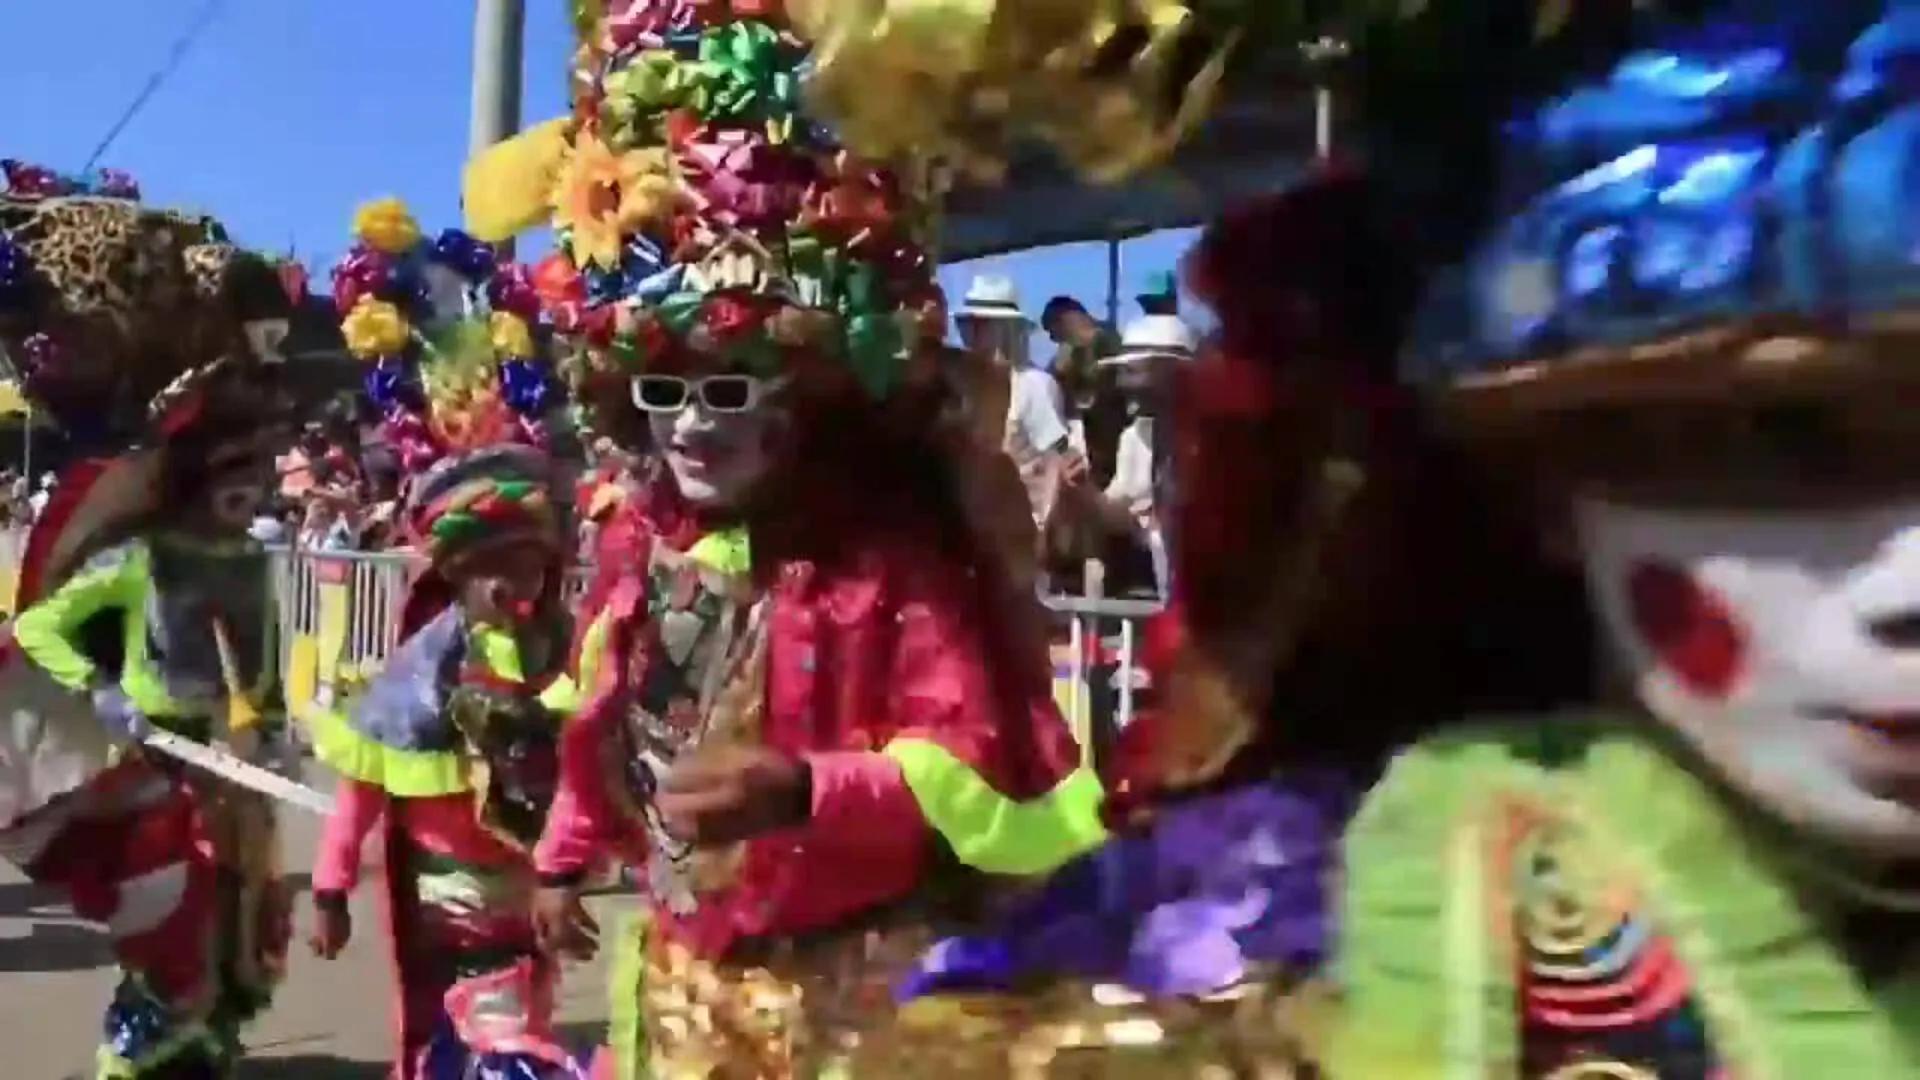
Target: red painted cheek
x=1687, y=627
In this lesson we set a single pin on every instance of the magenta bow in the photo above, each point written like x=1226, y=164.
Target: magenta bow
x=358, y=273
x=645, y=24
x=742, y=179
x=511, y=289
x=26, y=181
x=407, y=433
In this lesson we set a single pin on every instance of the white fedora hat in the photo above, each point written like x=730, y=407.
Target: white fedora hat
x=1149, y=337
x=991, y=296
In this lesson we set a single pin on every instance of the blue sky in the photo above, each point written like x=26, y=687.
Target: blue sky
x=288, y=113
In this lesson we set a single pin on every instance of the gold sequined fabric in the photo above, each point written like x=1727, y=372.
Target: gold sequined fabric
x=1260, y=1030
x=813, y=1011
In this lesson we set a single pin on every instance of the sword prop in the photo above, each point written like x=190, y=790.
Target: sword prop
x=258, y=906
x=243, y=730
x=240, y=771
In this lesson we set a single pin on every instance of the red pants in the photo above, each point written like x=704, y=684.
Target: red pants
x=149, y=874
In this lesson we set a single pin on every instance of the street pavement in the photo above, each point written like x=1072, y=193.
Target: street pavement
x=331, y=1021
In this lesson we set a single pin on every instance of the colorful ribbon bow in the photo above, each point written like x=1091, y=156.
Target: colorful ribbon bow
x=854, y=203
x=639, y=95
x=751, y=75
x=645, y=23
x=742, y=180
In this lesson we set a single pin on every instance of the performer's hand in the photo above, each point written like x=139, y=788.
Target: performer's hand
x=561, y=923
x=732, y=793
x=118, y=715
x=332, y=927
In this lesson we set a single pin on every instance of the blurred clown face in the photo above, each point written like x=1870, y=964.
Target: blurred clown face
x=502, y=584
x=1784, y=645
x=238, y=481
x=713, y=432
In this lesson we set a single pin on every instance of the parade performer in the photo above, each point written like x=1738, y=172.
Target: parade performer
x=825, y=707
x=452, y=751
x=1328, y=549
x=146, y=614
x=1710, y=873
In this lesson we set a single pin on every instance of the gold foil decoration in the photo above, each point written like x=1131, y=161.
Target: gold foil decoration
x=1265, y=1028
x=965, y=80
x=815, y=1010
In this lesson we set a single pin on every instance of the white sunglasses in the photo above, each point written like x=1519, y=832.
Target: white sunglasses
x=714, y=393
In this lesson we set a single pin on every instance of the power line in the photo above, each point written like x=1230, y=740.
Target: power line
x=202, y=19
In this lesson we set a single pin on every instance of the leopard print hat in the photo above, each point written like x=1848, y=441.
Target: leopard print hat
x=119, y=317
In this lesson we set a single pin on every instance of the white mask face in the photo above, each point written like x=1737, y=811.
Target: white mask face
x=1784, y=646
x=716, y=458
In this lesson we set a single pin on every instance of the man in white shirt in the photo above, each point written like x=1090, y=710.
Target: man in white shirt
x=992, y=325
x=37, y=502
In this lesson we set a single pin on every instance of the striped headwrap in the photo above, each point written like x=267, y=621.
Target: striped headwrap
x=483, y=497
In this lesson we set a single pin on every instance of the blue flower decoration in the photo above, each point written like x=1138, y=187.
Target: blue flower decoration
x=525, y=386
x=604, y=286
x=15, y=274
x=460, y=252
x=390, y=384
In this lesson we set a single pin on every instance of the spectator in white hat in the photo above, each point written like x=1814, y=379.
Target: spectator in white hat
x=37, y=502
x=1127, y=507
x=993, y=327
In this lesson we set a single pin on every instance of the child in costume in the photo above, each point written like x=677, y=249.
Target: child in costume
x=452, y=751
x=146, y=612
x=1709, y=874
x=823, y=706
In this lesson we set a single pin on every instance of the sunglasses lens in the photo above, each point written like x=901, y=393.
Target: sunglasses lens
x=659, y=393
x=727, y=393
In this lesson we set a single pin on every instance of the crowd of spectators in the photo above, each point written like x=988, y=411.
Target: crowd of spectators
x=339, y=490
x=1081, y=428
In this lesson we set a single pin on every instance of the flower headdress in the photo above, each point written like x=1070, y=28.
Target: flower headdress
x=458, y=373
x=450, y=333
x=120, y=318
x=698, y=209
x=141, y=332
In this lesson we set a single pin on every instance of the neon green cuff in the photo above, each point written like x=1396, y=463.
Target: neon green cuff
x=991, y=832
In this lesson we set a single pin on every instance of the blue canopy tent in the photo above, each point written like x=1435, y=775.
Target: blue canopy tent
x=1249, y=147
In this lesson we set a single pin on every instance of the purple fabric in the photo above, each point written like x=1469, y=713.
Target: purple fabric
x=1183, y=906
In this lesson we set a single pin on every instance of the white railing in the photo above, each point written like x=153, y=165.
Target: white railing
x=1095, y=672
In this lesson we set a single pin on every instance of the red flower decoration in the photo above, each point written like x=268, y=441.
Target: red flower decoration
x=596, y=324
x=855, y=201
x=557, y=282
x=728, y=317
x=681, y=127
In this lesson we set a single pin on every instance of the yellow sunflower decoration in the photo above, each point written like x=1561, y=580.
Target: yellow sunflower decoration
x=600, y=195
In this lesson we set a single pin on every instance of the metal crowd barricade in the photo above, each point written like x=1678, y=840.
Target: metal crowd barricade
x=1099, y=675
x=13, y=548
x=339, y=621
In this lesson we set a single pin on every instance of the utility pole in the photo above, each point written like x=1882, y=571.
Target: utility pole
x=499, y=30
